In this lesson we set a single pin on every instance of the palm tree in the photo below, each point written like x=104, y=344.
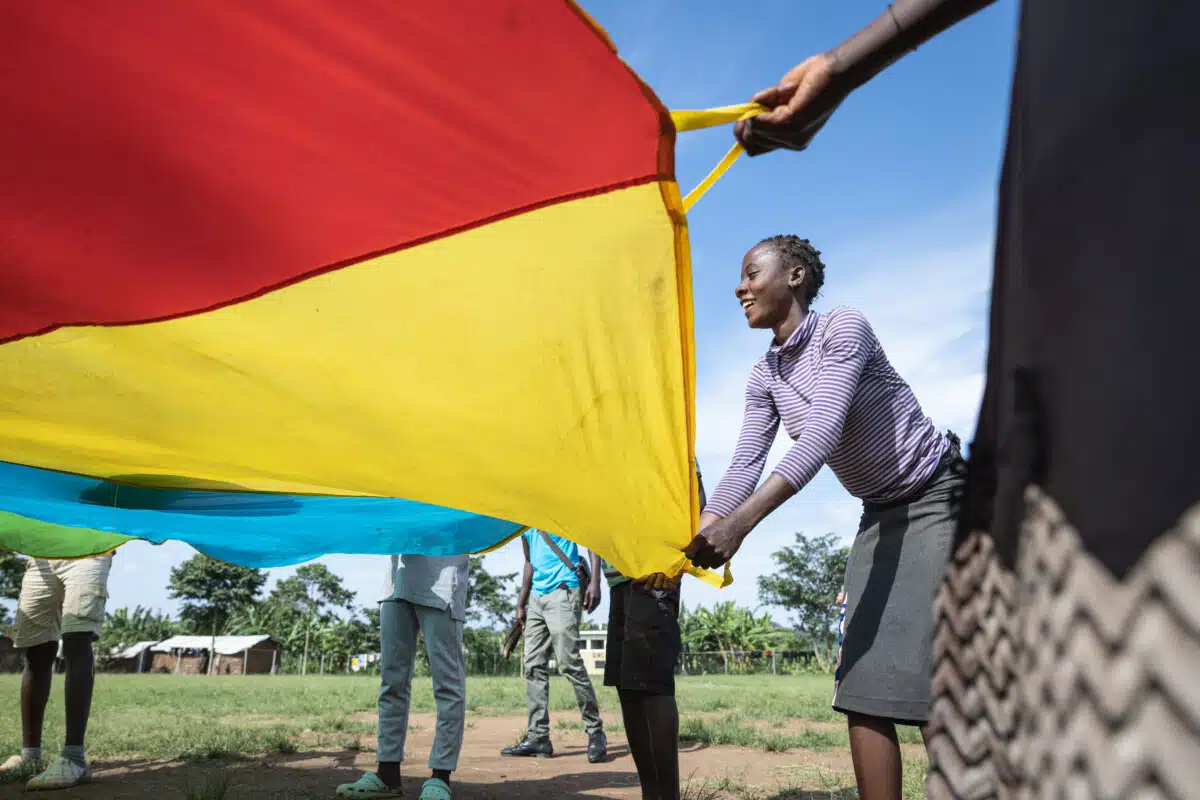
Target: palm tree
x=123, y=627
x=727, y=627
x=254, y=619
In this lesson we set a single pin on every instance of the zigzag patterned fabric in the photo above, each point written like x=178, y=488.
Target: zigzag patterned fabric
x=1060, y=680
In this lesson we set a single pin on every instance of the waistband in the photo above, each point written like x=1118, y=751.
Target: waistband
x=951, y=461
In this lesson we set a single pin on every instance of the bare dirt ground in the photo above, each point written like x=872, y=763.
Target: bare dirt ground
x=710, y=772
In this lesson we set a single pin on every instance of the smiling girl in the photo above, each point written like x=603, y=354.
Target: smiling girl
x=828, y=380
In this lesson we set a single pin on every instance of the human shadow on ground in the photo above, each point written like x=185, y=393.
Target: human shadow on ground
x=614, y=752
x=303, y=776
x=308, y=776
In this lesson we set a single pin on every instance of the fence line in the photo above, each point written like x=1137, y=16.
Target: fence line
x=488, y=663
x=691, y=662
x=746, y=662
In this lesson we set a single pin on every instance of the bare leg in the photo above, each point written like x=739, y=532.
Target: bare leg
x=80, y=679
x=875, y=751
x=35, y=691
x=662, y=716
x=641, y=742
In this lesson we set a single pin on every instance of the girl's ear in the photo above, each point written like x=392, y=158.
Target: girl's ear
x=796, y=278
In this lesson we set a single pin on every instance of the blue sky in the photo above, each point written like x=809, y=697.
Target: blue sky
x=897, y=192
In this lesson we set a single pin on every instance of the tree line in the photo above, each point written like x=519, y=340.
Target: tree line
x=315, y=617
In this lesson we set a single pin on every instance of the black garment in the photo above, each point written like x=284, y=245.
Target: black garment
x=1066, y=627
x=644, y=640
x=1093, y=379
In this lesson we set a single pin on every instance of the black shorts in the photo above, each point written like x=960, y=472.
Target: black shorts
x=643, y=640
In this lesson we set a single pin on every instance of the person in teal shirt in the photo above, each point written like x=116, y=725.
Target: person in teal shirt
x=549, y=572
x=556, y=588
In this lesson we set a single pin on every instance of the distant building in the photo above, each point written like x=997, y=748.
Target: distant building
x=135, y=658
x=235, y=655
x=592, y=645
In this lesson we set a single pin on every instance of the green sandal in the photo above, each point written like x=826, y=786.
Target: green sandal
x=368, y=787
x=435, y=789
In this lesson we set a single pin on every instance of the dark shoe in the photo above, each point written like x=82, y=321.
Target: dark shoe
x=597, y=747
x=535, y=748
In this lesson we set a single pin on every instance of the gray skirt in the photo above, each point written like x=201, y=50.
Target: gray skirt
x=895, y=568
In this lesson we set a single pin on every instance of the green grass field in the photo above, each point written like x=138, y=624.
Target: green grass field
x=167, y=717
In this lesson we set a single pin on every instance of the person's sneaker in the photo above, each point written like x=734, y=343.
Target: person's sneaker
x=536, y=748
x=597, y=747
x=63, y=773
x=14, y=764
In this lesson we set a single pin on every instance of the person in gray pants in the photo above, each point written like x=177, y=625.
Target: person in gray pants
x=556, y=589
x=426, y=594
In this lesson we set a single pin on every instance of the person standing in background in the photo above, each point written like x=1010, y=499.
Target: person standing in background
x=841, y=633
x=556, y=588
x=60, y=599
x=426, y=594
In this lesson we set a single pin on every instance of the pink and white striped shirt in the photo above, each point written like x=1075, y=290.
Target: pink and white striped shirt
x=843, y=404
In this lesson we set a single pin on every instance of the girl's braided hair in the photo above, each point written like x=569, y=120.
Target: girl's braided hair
x=793, y=250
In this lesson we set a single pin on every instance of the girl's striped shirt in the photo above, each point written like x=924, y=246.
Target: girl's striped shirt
x=843, y=404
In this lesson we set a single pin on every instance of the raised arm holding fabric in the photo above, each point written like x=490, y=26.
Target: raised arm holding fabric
x=809, y=92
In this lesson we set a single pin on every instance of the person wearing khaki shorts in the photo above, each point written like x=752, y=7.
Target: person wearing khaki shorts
x=60, y=600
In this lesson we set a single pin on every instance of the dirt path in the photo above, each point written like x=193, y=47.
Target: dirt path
x=713, y=772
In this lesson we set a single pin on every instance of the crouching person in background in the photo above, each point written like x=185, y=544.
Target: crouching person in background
x=426, y=594
x=60, y=599
x=644, y=645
